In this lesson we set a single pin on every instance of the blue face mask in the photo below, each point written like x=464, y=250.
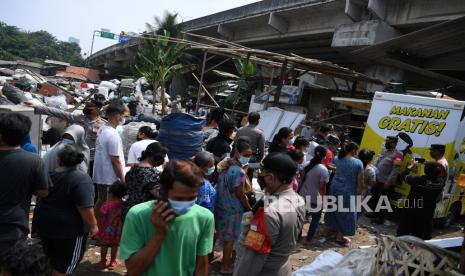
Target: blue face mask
x=210, y=170
x=244, y=160
x=181, y=207
x=67, y=141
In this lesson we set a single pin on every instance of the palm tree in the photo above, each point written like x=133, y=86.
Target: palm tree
x=159, y=60
x=166, y=24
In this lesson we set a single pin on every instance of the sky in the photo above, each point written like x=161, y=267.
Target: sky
x=79, y=18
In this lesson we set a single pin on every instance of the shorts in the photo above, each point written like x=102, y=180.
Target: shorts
x=102, y=191
x=65, y=254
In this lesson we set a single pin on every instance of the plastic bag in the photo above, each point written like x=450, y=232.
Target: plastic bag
x=14, y=94
x=56, y=101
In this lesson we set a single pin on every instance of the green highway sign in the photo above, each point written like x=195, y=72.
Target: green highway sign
x=109, y=35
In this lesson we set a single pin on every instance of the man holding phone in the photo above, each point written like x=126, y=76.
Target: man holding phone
x=172, y=235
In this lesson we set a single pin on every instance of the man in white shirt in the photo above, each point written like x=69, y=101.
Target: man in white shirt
x=308, y=131
x=145, y=137
x=109, y=157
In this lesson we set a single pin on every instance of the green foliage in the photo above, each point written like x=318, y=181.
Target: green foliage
x=241, y=84
x=159, y=60
x=166, y=24
x=16, y=44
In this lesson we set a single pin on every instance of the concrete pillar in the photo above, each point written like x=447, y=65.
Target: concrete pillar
x=364, y=33
x=384, y=73
x=225, y=32
x=278, y=23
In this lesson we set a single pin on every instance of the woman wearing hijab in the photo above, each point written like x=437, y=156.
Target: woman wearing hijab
x=73, y=135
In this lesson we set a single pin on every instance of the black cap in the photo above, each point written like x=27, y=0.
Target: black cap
x=325, y=128
x=280, y=163
x=333, y=140
x=392, y=138
x=438, y=147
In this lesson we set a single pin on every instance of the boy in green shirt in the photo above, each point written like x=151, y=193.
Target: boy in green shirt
x=171, y=236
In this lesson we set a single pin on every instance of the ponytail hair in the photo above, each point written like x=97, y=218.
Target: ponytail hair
x=349, y=147
x=320, y=154
x=148, y=132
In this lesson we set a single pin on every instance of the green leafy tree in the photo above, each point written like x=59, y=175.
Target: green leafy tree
x=159, y=60
x=158, y=63
x=36, y=46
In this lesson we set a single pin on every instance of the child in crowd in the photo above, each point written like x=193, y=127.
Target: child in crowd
x=111, y=225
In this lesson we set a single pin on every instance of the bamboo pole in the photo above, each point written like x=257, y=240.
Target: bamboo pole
x=201, y=83
x=269, y=89
x=208, y=93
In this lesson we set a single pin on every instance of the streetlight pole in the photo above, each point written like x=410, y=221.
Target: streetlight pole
x=92, y=46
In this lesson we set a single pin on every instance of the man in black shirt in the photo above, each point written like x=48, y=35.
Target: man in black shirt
x=21, y=175
x=220, y=145
x=417, y=216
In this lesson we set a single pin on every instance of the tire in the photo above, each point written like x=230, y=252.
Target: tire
x=453, y=213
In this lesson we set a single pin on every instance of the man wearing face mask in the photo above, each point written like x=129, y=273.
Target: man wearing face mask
x=173, y=235
x=90, y=120
x=109, y=157
x=284, y=217
x=388, y=167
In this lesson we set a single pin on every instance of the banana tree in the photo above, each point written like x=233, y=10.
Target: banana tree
x=239, y=86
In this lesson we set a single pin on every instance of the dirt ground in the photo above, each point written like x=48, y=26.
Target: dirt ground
x=366, y=235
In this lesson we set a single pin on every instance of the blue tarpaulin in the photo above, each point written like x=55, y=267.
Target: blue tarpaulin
x=182, y=134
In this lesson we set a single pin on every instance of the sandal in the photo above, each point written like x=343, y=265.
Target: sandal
x=103, y=264
x=114, y=265
x=344, y=241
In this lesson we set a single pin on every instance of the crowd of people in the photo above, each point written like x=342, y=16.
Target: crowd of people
x=164, y=217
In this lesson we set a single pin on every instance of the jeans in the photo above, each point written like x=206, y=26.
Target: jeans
x=313, y=225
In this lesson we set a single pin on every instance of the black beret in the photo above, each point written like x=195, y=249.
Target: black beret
x=280, y=163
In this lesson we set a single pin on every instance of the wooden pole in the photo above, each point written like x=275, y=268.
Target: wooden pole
x=208, y=94
x=280, y=83
x=269, y=89
x=201, y=84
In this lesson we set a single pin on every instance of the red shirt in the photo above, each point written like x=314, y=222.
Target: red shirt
x=328, y=158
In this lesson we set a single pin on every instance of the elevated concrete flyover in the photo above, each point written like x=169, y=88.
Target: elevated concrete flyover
x=332, y=30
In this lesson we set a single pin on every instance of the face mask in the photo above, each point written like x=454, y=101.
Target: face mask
x=181, y=207
x=291, y=142
x=210, y=170
x=244, y=160
x=300, y=167
x=67, y=141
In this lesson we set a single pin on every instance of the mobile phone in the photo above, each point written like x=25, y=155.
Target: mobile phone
x=164, y=198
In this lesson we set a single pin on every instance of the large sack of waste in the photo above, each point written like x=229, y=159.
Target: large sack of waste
x=108, y=85
x=14, y=94
x=323, y=263
x=182, y=134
